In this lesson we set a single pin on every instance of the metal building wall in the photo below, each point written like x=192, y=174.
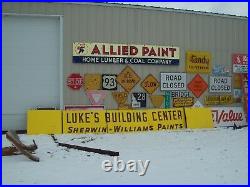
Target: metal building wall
x=220, y=35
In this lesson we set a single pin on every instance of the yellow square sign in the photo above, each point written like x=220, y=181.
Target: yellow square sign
x=128, y=79
x=92, y=81
x=198, y=62
x=150, y=84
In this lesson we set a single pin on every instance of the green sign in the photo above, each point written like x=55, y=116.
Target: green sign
x=167, y=99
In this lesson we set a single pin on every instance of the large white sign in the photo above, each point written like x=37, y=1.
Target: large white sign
x=173, y=81
x=228, y=116
x=218, y=84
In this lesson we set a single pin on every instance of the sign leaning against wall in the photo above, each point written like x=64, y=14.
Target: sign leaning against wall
x=107, y=53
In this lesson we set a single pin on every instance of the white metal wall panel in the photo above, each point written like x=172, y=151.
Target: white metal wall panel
x=30, y=67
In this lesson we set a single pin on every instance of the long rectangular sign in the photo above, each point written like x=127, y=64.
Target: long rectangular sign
x=107, y=53
x=121, y=121
x=219, y=84
x=228, y=116
x=173, y=81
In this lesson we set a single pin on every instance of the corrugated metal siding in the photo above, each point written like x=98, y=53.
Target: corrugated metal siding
x=219, y=35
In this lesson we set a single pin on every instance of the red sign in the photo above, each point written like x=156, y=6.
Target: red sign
x=240, y=59
x=197, y=86
x=75, y=81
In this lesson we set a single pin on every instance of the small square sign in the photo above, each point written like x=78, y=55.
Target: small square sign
x=139, y=100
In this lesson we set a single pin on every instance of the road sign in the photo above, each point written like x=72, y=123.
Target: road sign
x=92, y=81
x=150, y=84
x=197, y=86
x=75, y=81
x=109, y=82
x=139, y=100
x=120, y=97
x=157, y=100
x=128, y=79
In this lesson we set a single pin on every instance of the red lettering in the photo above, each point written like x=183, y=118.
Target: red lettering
x=164, y=52
x=103, y=50
x=152, y=52
x=172, y=50
x=95, y=50
x=145, y=50
x=133, y=50
x=112, y=52
x=124, y=50
x=229, y=116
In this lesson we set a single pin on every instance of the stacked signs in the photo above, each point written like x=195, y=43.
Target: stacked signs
x=176, y=82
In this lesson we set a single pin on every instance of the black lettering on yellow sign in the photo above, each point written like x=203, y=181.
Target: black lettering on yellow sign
x=113, y=117
x=118, y=128
x=169, y=126
x=167, y=115
x=87, y=130
x=82, y=117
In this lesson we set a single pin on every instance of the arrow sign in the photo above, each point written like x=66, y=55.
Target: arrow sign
x=96, y=97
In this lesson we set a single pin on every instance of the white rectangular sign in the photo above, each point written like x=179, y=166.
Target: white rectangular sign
x=173, y=81
x=218, y=84
x=228, y=116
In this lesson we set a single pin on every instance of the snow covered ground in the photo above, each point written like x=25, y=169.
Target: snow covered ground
x=216, y=156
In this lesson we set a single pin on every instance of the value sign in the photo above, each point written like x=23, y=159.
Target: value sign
x=173, y=81
x=219, y=84
x=228, y=116
x=109, y=82
x=139, y=100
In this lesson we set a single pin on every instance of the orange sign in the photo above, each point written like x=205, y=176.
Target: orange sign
x=197, y=86
x=92, y=81
x=128, y=78
x=120, y=97
x=157, y=100
x=150, y=84
x=236, y=80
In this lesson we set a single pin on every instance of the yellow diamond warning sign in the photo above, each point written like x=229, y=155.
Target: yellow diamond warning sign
x=150, y=84
x=128, y=78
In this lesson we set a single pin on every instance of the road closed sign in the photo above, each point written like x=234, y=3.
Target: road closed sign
x=220, y=84
x=173, y=81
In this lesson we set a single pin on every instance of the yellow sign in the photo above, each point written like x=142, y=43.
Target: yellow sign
x=124, y=106
x=218, y=100
x=92, y=81
x=120, y=97
x=198, y=118
x=84, y=121
x=226, y=99
x=236, y=80
x=157, y=100
x=183, y=102
x=122, y=121
x=128, y=79
x=44, y=122
x=212, y=100
x=198, y=62
x=150, y=84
